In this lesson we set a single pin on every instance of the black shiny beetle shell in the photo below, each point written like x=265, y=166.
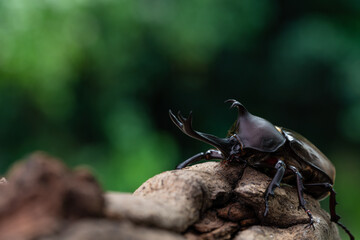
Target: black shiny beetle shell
x=309, y=153
x=255, y=132
x=259, y=134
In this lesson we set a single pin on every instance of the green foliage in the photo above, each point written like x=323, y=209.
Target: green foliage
x=92, y=81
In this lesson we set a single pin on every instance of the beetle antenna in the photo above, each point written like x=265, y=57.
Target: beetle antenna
x=235, y=103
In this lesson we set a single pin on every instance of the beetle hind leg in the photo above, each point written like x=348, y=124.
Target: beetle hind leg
x=334, y=217
x=209, y=154
x=300, y=190
x=275, y=182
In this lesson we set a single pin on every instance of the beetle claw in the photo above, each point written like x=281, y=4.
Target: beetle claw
x=310, y=224
x=266, y=209
x=311, y=219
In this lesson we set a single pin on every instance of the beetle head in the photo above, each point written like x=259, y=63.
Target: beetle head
x=254, y=132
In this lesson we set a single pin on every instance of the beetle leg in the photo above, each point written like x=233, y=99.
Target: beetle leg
x=300, y=189
x=209, y=154
x=334, y=217
x=275, y=182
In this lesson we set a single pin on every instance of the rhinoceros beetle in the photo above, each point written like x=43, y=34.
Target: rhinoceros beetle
x=256, y=142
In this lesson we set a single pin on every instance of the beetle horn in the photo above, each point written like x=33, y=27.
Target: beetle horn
x=185, y=125
x=234, y=103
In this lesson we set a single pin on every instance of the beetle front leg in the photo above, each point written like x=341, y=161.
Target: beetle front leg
x=300, y=189
x=280, y=170
x=209, y=154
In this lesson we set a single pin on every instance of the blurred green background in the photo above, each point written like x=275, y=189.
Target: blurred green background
x=92, y=81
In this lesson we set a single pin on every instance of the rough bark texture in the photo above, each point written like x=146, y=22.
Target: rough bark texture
x=44, y=200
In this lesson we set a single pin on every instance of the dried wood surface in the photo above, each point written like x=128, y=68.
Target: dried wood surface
x=43, y=200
